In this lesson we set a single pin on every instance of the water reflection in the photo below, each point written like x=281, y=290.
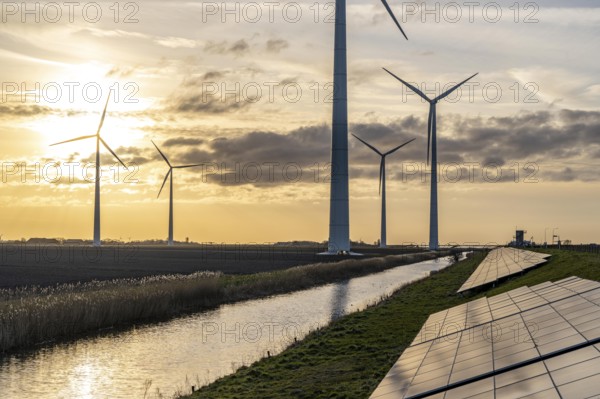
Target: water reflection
x=192, y=350
x=339, y=299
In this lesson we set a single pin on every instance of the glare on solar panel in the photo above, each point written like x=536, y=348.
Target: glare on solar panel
x=540, y=342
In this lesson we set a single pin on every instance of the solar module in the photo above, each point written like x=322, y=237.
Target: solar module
x=502, y=262
x=539, y=341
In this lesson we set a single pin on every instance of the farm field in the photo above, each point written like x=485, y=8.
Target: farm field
x=46, y=265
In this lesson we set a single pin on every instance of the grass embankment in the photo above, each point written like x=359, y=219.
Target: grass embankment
x=33, y=315
x=349, y=358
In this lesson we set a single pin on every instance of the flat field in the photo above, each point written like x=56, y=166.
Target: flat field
x=45, y=265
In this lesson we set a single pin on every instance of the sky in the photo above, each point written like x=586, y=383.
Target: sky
x=245, y=88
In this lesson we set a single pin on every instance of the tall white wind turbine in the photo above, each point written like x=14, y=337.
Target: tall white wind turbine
x=383, y=239
x=97, y=241
x=432, y=146
x=339, y=209
x=170, y=175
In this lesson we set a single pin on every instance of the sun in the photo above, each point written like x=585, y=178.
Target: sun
x=77, y=97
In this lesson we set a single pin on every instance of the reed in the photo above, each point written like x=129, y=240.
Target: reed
x=32, y=315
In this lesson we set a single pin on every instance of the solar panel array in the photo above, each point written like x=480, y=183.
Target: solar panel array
x=502, y=262
x=535, y=342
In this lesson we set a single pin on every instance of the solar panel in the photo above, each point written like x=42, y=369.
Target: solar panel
x=539, y=341
x=502, y=262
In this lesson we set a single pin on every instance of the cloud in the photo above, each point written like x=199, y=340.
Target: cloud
x=206, y=94
x=23, y=110
x=561, y=144
x=206, y=103
x=240, y=47
x=129, y=155
x=276, y=45
x=182, y=141
x=176, y=42
x=211, y=75
x=237, y=48
x=120, y=72
x=304, y=145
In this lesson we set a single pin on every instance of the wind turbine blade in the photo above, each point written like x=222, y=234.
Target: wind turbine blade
x=187, y=166
x=75, y=139
x=164, y=181
x=161, y=153
x=454, y=88
x=429, y=122
x=103, y=114
x=413, y=88
x=112, y=152
x=367, y=144
x=389, y=10
x=397, y=148
x=381, y=173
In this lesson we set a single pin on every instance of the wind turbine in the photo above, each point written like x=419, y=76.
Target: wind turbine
x=170, y=174
x=97, y=241
x=432, y=146
x=339, y=209
x=389, y=10
x=383, y=239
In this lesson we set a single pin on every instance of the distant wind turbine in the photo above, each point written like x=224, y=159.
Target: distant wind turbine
x=432, y=146
x=97, y=241
x=383, y=239
x=170, y=174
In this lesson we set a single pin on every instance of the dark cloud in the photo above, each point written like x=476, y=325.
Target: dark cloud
x=276, y=155
x=558, y=147
x=494, y=160
x=106, y=159
x=288, y=81
x=550, y=141
x=305, y=145
x=237, y=48
x=205, y=78
x=207, y=103
x=215, y=47
x=276, y=45
x=212, y=75
x=182, y=141
x=129, y=155
x=209, y=93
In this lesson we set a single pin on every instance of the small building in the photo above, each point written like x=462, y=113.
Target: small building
x=520, y=238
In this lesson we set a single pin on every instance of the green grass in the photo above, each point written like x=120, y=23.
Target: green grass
x=349, y=358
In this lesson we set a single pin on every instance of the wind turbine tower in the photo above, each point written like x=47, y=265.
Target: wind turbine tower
x=97, y=242
x=339, y=210
x=383, y=239
x=169, y=176
x=432, y=146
